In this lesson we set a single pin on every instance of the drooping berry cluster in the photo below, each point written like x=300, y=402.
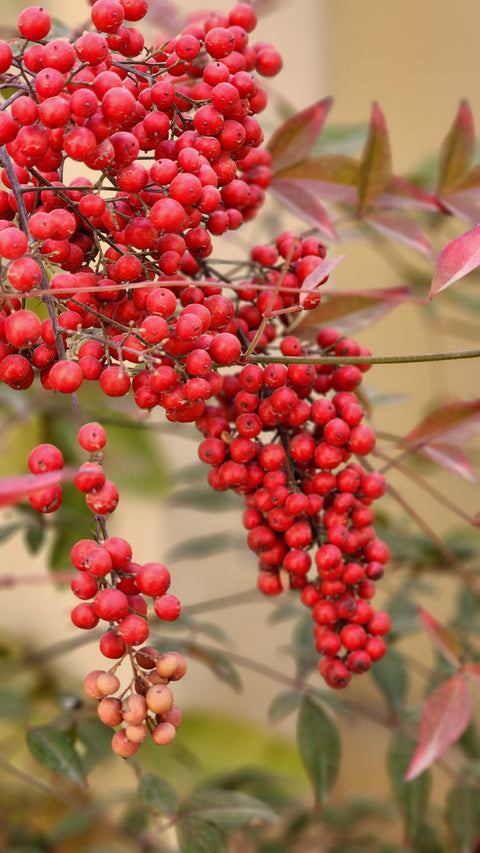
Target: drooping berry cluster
x=145, y=706
x=287, y=438
x=114, y=590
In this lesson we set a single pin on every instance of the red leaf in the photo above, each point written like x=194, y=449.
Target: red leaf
x=402, y=230
x=401, y=194
x=295, y=138
x=317, y=276
x=451, y=457
x=302, y=202
x=331, y=176
x=13, y=489
x=376, y=161
x=464, y=205
x=456, y=260
x=446, y=714
x=352, y=310
x=457, y=150
x=442, y=638
x=472, y=670
x=455, y=422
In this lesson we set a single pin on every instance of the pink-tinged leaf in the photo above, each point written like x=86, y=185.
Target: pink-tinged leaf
x=376, y=161
x=446, y=714
x=352, y=311
x=463, y=205
x=333, y=177
x=315, y=278
x=14, y=489
x=401, y=194
x=454, y=423
x=295, y=138
x=301, y=201
x=472, y=670
x=451, y=457
x=402, y=230
x=457, y=150
x=442, y=637
x=456, y=260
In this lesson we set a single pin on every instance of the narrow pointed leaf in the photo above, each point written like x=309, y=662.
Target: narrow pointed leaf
x=442, y=637
x=294, y=139
x=391, y=675
x=463, y=205
x=446, y=713
x=199, y=836
x=457, y=150
x=472, y=670
x=451, y=457
x=352, y=311
x=315, y=278
x=283, y=704
x=157, y=795
x=227, y=809
x=319, y=746
x=396, y=227
x=53, y=749
x=470, y=181
x=454, y=423
x=456, y=260
x=14, y=489
x=376, y=161
x=218, y=663
x=333, y=177
x=413, y=797
x=301, y=201
x=401, y=194
x=462, y=816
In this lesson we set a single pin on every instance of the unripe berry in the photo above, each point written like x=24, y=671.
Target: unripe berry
x=159, y=698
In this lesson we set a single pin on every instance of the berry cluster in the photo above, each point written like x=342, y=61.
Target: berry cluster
x=112, y=589
x=145, y=706
x=122, y=264
x=286, y=438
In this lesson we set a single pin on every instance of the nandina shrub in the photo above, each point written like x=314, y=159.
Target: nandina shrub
x=121, y=279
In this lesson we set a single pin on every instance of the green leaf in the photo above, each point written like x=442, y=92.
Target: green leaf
x=12, y=705
x=157, y=795
x=227, y=809
x=199, y=547
x=7, y=530
x=302, y=647
x=462, y=816
x=391, y=675
x=53, y=749
x=457, y=150
x=218, y=663
x=203, y=498
x=198, y=836
x=73, y=515
x=34, y=537
x=376, y=161
x=283, y=705
x=319, y=746
x=412, y=797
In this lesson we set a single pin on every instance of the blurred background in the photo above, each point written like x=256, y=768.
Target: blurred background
x=417, y=60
